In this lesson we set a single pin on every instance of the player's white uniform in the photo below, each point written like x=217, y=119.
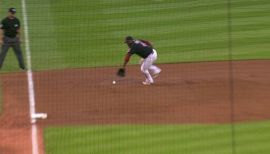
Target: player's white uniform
x=148, y=67
x=149, y=56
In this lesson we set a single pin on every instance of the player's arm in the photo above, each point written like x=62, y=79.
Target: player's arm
x=19, y=29
x=148, y=43
x=1, y=32
x=18, y=32
x=126, y=60
x=19, y=35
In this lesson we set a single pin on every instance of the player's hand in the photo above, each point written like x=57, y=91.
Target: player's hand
x=19, y=39
x=121, y=72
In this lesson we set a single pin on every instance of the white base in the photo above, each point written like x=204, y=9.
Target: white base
x=39, y=116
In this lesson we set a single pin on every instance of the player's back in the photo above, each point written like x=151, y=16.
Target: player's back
x=141, y=49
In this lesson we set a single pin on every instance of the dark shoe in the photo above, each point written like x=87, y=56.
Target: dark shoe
x=22, y=68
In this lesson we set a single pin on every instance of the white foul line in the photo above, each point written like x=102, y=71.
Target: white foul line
x=31, y=92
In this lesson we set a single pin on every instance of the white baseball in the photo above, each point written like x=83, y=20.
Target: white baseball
x=114, y=82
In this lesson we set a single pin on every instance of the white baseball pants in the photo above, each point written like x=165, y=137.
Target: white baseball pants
x=147, y=66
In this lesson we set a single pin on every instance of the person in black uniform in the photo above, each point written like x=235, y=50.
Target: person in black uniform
x=145, y=50
x=11, y=28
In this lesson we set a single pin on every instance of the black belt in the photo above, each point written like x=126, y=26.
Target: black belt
x=10, y=37
x=149, y=54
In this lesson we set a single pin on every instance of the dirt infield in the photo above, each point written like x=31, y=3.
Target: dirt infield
x=15, y=128
x=184, y=93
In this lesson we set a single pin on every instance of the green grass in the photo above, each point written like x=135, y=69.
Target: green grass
x=138, y=139
x=253, y=138
x=90, y=33
x=250, y=138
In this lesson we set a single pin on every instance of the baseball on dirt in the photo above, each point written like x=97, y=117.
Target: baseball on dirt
x=114, y=82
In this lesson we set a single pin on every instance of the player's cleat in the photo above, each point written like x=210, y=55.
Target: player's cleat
x=146, y=82
x=22, y=68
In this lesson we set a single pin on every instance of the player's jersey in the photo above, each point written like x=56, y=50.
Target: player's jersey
x=141, y=49
x=10, y=26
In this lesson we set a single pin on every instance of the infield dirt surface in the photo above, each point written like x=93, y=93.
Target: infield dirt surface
x=183, y=93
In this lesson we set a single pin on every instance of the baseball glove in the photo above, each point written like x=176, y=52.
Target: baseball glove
x=121, y=72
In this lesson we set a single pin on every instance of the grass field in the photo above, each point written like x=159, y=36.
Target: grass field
x=250, y=138
x=148, y=139
x=69, y=34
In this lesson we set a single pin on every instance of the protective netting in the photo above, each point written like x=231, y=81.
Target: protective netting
x=196, y=77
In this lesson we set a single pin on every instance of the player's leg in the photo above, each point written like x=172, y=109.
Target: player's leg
x=4, y=50
x=17, y=49
x=144, y=68
x=154, y=69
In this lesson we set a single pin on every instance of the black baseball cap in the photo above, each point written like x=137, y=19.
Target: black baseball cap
x=128, y=38
x=12, y=10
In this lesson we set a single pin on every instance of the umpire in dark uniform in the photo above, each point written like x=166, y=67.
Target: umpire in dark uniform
x=11, y=28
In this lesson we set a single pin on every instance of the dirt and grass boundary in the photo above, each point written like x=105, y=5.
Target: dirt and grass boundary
x=184, y=93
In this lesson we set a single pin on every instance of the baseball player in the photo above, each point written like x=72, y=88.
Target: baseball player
x=145, y=50
x=11, y=28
